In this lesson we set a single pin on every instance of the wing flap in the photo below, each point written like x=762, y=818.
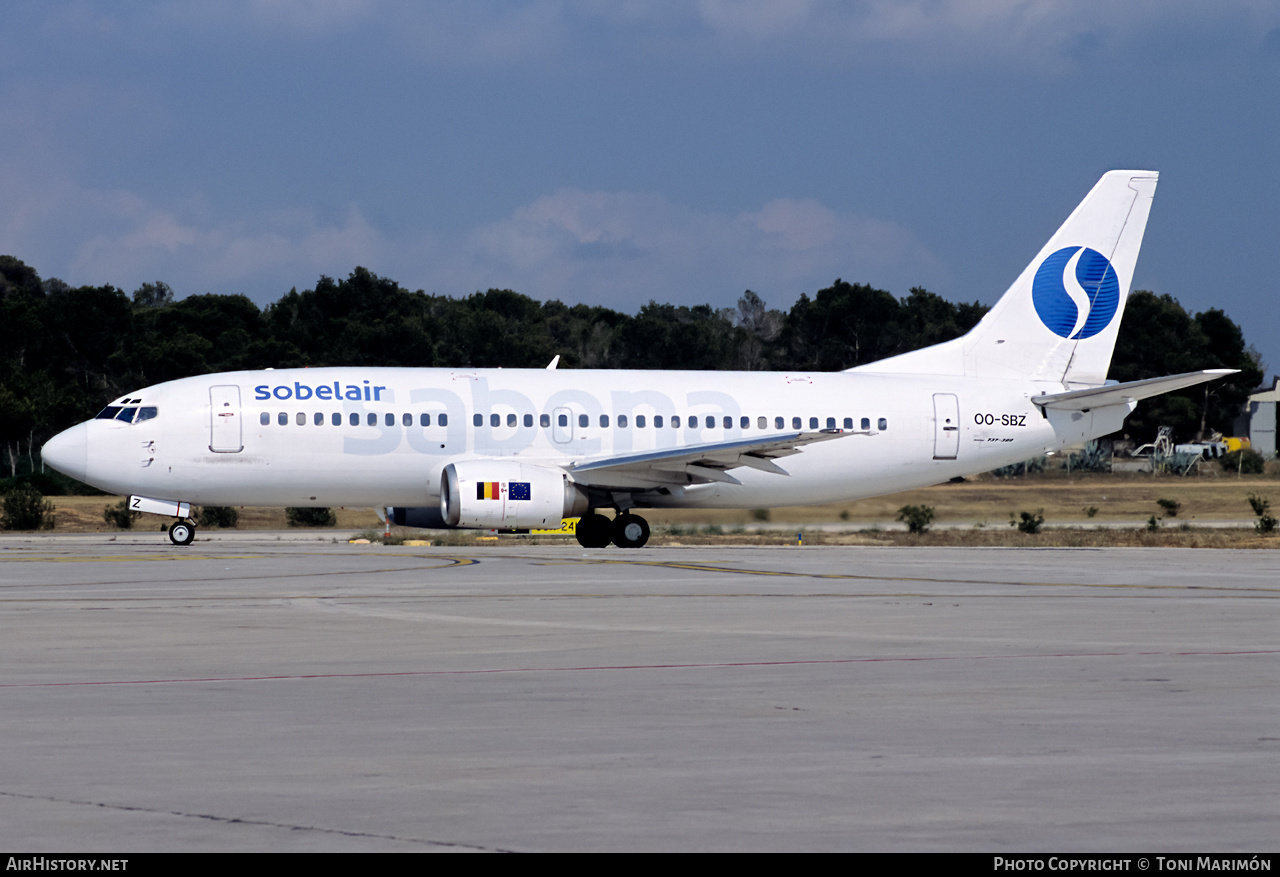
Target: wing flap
x=701, y=464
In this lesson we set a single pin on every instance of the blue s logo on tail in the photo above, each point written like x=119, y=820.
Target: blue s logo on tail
x=1076, y=292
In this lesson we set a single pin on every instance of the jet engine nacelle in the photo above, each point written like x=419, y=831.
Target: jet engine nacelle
x=507, y=494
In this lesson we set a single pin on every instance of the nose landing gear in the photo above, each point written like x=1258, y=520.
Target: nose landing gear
x=182, y=532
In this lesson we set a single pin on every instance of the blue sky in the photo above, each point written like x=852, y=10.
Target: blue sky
x=617, y=152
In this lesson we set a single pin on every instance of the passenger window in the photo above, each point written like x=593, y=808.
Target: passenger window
x=711, y=422
x=795, y=423
x=371, y=419
x=745, y=422
x=582, y=420
x=813, y=423
x=301, y=419
x=265, y=418
x=884, y=424
x=778, y=423
x=495, y=420
x=866, y=423
x=336, y=418
x=318, y=418
x=283, y=418
x=443, y=420
x=640, y=421
x=762, y=423
x=528, y=420
x=563, y=419
x=477, y=420
x=406, y=419
x=675, y=421
x=511, y=420
x=424, y=420
x=150, y=412
x=848, y=423
x=831, y=423
x=544, y=420
x=622, y=421
x=354, y=419
x=389, y=419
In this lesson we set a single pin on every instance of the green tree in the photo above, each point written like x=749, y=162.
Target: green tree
x=26, y=509
x=1159, y=338
x=306, y=516
x=916, y=517
x=153, y=295
x=843, y=326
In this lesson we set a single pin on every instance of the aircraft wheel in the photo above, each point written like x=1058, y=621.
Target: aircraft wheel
x=594, y=531
x=630, y=531
x=182, y=533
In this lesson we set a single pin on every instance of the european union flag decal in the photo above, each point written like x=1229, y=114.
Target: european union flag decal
x=518, y=490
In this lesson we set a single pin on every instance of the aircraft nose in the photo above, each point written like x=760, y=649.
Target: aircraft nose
x=68, y=451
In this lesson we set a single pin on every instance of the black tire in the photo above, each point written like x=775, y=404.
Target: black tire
x=594, y=531
x=182, y=533
x=630, y=531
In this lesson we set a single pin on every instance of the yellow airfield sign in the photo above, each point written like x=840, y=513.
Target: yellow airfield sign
x=568, y=527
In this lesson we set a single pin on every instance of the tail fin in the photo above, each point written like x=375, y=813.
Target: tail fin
x=1059, y=319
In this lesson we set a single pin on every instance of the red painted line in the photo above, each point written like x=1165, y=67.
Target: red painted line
x=635, y=667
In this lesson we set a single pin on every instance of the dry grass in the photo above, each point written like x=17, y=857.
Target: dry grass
x=987, y=503
x=83, y=514
x=1007, y=538
x=990, y=501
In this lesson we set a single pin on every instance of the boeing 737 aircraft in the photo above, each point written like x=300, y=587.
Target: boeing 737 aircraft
x=522, y=448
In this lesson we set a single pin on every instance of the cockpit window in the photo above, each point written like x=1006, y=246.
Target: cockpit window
x=128, y=413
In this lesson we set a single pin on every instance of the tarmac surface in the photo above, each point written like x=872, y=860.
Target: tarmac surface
x=261, y=695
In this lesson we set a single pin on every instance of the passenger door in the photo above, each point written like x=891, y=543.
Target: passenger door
x=946, y=426
x=224, y=420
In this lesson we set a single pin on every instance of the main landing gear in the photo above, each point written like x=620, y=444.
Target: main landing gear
x=182, y=532
x=626, y=531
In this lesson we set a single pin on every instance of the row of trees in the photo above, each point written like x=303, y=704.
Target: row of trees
x=65, y=351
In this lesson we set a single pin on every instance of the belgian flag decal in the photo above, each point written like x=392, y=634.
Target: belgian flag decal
x=493, y=490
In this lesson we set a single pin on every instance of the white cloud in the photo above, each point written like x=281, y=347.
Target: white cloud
x=308, y=15
x=931, y=33
x=440, y=32
x=622, y=249
x=619, y=248
x=98, y=236
x=260, y=254
x=1041, y=34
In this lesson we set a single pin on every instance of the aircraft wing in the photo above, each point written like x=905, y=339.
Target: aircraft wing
x=1132, y=391
x=700, y=464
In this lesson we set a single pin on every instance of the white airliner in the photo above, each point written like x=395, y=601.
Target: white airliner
x=523, y=448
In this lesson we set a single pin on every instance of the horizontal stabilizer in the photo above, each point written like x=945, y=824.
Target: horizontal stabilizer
x=701, y=464
x=1121, y=394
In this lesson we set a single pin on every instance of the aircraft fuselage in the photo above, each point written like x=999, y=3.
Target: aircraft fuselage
x=342, y=436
